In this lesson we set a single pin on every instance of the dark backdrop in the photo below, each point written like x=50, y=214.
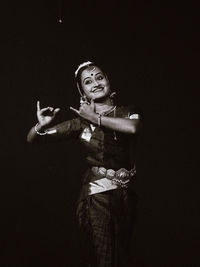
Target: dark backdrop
x=151, y=53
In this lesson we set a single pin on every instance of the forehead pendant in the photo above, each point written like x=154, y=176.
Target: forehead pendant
x=94, y=68
x=91, y=69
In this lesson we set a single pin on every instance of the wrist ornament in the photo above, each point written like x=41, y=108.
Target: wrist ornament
x=99, y=120
x=36, y=130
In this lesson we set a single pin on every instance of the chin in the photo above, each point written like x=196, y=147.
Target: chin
x=101, y=99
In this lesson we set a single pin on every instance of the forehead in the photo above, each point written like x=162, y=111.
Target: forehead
x=90, y=71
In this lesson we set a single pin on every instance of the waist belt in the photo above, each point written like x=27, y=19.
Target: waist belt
x=120, y=177
x=105, y=180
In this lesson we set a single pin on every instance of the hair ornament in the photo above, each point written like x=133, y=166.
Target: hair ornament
x=87, y=63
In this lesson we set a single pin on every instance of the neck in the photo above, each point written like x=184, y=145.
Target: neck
x=103, y=106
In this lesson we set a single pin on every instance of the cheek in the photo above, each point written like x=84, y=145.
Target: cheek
x=107, y=83
x=86, y=89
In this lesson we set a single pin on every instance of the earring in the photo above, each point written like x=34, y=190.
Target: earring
x=112, y=95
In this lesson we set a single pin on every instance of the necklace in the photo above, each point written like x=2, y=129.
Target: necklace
x=108, y=111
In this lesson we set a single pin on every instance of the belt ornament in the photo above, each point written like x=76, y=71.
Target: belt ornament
x=121, y=177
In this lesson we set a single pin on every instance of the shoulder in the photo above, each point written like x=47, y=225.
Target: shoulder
x=130, y=111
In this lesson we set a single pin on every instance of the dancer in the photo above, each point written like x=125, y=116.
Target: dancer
x=106, y=206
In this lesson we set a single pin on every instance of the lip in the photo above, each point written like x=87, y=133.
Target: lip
x=97, y=90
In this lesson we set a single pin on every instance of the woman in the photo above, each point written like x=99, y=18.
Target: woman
x=105, y=208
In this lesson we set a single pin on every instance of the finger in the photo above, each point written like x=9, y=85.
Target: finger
x=38, y=105
x=82, y=104
x=56, y=110
x=45, y=109
x=75, y=110
x=82, y=101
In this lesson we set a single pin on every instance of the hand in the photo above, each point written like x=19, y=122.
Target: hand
x=86, y=111
x=45, y=115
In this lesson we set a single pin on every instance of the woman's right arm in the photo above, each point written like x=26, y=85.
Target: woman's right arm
x=36, y=133
x=45, y=117
x=43, y=131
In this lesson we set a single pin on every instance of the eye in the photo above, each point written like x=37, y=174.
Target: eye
x=88, y=82
x=100, y=77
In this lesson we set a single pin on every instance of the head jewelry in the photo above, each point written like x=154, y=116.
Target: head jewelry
x=84, y=64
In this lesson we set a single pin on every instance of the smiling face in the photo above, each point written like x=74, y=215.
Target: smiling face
x=94, y=83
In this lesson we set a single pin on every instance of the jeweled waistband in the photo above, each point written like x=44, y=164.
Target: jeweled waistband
x=108, y=179
x=120, y=177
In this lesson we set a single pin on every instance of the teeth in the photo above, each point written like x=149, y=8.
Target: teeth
x=96, y=90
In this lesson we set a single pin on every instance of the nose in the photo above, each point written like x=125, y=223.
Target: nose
x=96, y=83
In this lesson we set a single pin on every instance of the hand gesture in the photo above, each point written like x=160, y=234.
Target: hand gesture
x=86, y=110
x=45, y=115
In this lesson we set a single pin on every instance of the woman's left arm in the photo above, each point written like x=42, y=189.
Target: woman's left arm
x=123, y=125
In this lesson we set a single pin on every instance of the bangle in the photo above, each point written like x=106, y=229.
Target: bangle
x=38, y=131
x=99, y=120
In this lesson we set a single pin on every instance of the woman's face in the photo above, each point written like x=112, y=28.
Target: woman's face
x=94, y=83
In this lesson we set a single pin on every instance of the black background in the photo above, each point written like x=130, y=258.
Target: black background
x=151, y=53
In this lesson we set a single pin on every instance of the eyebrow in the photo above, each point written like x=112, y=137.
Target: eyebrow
x=95, y=75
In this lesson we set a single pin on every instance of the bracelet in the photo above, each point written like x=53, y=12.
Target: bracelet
x=38, y=131
x=99, y=120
